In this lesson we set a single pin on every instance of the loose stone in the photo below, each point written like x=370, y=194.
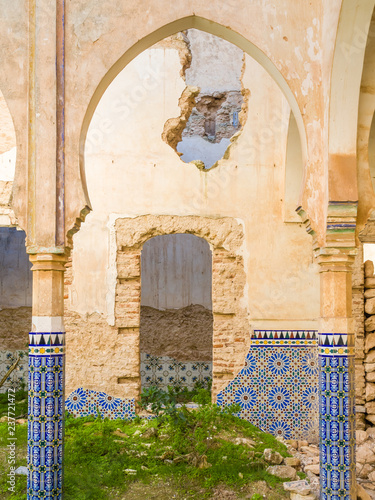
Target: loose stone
x=283, y=471
x=272, y=457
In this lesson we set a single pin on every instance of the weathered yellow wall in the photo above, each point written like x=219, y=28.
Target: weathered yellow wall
x=301, y=48
x=287, y=38
x=366, y=135
x=132, y=172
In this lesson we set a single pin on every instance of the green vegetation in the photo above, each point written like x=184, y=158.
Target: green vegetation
x=21, y=404
x=163, y=403
x=193, y=451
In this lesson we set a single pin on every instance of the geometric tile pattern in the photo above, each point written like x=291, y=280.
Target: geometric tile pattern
x=284, y=337
x=18, y=378
x=45, y=420
x=277, y=388
x=84, y=402
x=163, y=371
x=337, y=420
x=332, y=344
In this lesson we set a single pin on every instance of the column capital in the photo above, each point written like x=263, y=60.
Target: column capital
x=333, y=259
x=48, y=261
x=48, y=284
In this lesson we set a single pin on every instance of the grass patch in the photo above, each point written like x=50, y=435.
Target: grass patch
x=21, y=403
x=191, y=451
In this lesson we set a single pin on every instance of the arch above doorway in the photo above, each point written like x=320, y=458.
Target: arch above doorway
x=225, y=236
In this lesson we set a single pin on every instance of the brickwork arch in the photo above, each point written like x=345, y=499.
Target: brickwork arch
x=230, y=327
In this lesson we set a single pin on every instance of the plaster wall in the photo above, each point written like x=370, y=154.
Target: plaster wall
x=288, y=40
x=7, y=168
x=358, y=312
x=366, y=133
x=131, y=172
x=371, y=151
x=203, y=65
x=15, y=274
x=7, y=133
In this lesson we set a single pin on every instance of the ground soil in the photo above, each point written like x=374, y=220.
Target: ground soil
x=168, y=490
x=184, y=334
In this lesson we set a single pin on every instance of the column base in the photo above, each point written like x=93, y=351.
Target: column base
x=337, y=419
x=46, y=416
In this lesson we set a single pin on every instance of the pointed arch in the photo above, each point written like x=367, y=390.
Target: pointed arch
x=182, y=24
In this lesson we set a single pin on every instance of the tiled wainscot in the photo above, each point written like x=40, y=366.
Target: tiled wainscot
x=83, y=403
x=163, y=371
x=278, y=387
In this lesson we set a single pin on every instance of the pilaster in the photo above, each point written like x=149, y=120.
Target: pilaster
x=337, y=375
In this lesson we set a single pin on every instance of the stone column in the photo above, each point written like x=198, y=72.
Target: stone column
x=336, y=376
x=46, y=379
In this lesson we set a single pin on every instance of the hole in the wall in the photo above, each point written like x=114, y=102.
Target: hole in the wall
x=211, y=103
x=176, y=324
x=185, y=91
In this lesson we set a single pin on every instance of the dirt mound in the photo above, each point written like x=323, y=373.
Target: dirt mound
x=184, y=334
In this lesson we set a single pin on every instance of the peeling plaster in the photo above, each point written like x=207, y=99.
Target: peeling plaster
x=297, y=52
x=173, y=128
x=307, y=84
x=314, y=51
x=88, y=27
x=244, y=252
x=208, y=104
